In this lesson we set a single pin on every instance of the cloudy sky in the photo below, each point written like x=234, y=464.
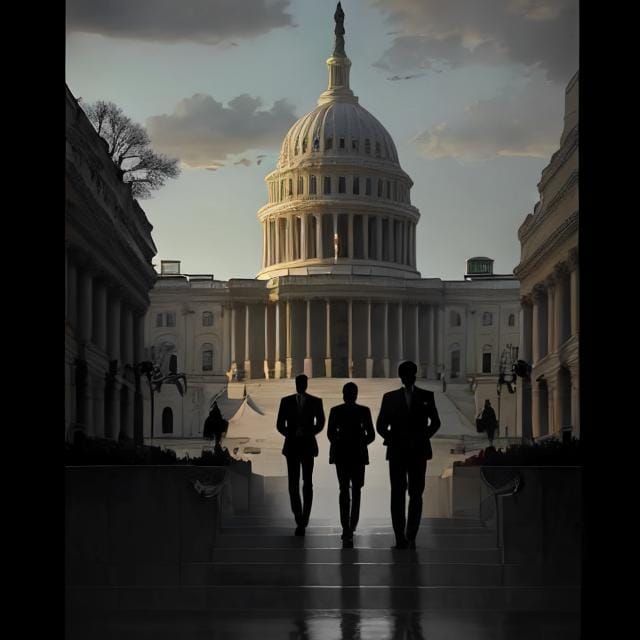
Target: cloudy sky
x=472, y=91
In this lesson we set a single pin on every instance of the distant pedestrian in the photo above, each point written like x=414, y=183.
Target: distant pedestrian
x=215, y=426
x=487, y=421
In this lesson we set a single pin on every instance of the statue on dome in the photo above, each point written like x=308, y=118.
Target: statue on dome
x=338, y=16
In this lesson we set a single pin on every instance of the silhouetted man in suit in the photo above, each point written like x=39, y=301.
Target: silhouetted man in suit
x=350, y=430
x=300, y=418
x=408, y=418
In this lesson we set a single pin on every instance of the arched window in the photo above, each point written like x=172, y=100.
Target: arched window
x=207, y=319
x=342, y=184
x=316, y=144
x=312, y=186
x=356, y=186
x=354, y=144
x=167, y=420
x=304, y=145
x=486, y=358
x=170, y=319
x=367, y=146
x=388, y=189
x=342, y=143
x=377, y=149
x=487, y=319
x=207, y=356
x=379, y=188
x=327, y=185
x=455, y=320
x=290, y=192
x=512, y=320
x=367, y=187
x=300, y=185
x=281, y=189
x=159, y=320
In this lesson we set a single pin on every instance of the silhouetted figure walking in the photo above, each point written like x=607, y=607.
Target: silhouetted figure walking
x=350, y=431
x=300, y=418
x=488, y=421
x=408, y=419
x=214, y=426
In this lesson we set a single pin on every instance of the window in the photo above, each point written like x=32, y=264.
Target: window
x=342, y=185
x=290, y=192
x=170, y=319
x=486, y=363
x=388, y=189
x=377, y=149
x=300, y=185
x=379, y=188
x=327, y=185
x=455, y=360
x=354, y=145
x=295, y=151
x=512, y=320
x=487, y=319
x=281, y=189
x=455, y=320
x=207, y=319
x=367, y=187
x=328, y=143
x=342, y=143
x=304, y=145
x=316, y=144
x=167, y=420
x=367, y=146
x=207, y=357
x=356, y=186
x=159, y=320
x=312, y=185
x=395, y=191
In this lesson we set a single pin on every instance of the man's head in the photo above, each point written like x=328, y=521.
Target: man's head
x=407, y=372
x=350, y=392
x=301, y=383
x=487, y=403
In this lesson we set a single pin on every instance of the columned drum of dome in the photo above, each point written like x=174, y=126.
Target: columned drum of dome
x=338, y=200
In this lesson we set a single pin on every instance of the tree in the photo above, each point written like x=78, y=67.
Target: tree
x=130, y=149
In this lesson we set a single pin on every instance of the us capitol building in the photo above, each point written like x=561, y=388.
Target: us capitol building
x=338, y=294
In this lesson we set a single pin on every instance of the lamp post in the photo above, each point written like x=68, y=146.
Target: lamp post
x=507, y=363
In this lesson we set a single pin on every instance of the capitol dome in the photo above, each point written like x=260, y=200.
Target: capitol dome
x=338, y=200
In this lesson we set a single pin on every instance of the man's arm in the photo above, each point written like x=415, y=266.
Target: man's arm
x=382, y=423
x=280, y=421
x=434, y=419
x=370, y=433
x=332, y=427
x=319, y=417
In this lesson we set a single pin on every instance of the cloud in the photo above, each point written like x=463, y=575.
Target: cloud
x=244, y=162
x=204, y=133
x=204, y=21
x=436, y=34
x=517, y=122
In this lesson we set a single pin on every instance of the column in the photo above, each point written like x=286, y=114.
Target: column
x=470, y=362
x=113, y=329
x=100, y=315
x=308, y=362
x=535, y=409
x=575, y=398
x=558, y=307
x=288, y=355
x=335, y=230
x=138, y=349
x=526, y=327
x=269, y=253
x=386, y=363
x=413, y=246
x=247, y=341
x=264, y=245
x=226, y=336
x=276, y=252
x=85, y=300
x=574, y=285
x=72, y=294
x=417, y=338
x=350, y=338
x=234, y=364
x=266, y=341
x=87, y=418
x=303, y=236
x=319, y=249
x=441, y=340
x=127, y=337
x=378, y=238
x=551, y=300
x=350, y=252
x=391, y=240
x=431, y=366
x=327, y=355
x=279, y=369
x=537, y=295
x=403, y=242
x=365, y=236
x=400, y=335
x=369, y=362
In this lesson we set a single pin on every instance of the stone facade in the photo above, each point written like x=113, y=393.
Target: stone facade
x=108, y=274
x=549, y=276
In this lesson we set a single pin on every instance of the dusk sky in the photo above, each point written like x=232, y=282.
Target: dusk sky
x=472, y=92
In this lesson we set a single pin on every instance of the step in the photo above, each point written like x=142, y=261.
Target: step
x=337, y=530
x=286, y=521
x=400, y=598
x=373, y=540
x=339, y=574
x=359, y=554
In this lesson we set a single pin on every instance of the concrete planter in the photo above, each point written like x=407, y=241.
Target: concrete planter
x=138, y=524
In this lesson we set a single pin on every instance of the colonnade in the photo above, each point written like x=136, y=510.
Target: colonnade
x=334, y=337
x=550, y=325
x=105, y=333
x=306, y=236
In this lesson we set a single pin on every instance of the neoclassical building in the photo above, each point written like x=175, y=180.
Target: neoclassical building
x=339, y=294
x=108, y=275
x=549, y=279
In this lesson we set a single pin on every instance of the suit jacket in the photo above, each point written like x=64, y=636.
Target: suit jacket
x=406, y=431
x=310, y=420
x=350, y=430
